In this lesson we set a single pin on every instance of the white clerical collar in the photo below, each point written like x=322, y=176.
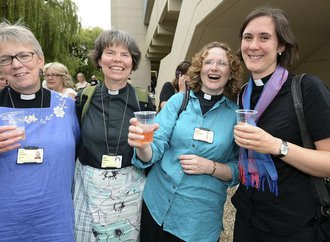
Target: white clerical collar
x=116, y=92
x=207, y=96
x=258, y=83
x=28, y=96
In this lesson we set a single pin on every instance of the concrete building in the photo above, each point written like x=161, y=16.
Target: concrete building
x=169, y=31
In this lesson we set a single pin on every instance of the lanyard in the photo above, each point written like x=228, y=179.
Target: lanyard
x=104, y=124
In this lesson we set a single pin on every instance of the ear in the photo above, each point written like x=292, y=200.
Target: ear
x=41, y=61
x=99, y=62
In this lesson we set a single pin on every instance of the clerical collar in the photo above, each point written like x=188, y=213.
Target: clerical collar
x=28, y=97
x=258, y=82
x=116, y=92
x=209, y=97
x=22, y=96
x=262, y=81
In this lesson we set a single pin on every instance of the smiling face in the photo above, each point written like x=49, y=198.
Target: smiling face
x=215, y=71
x=116, y=63
x=55, y=80
x=260, y=46
x=22, y=77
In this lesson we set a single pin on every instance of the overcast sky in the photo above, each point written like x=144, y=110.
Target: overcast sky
x=96, y=13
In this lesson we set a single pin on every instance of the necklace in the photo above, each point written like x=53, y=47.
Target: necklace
x=122, y=122
x=12, y=101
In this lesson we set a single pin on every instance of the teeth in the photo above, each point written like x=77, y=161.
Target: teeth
x=214, y=77
x=117, y=68
x=20, y=75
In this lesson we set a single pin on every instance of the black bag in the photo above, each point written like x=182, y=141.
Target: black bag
x=322, y=185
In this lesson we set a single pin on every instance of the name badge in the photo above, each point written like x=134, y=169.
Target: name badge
x=30, y=155
x=204, y=135
x=111, y=161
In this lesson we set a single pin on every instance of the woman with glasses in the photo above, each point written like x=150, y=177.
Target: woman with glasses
x=194, y=156
x=35, y=194
x=58, y=78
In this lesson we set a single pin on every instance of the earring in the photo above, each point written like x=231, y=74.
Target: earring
x=280, y=53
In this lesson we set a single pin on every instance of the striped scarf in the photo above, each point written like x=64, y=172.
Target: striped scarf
x=256, y=168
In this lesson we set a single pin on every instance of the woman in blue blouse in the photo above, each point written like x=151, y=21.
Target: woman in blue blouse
x=194, y=155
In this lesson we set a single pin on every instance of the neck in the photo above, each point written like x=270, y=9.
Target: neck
x=115, y=85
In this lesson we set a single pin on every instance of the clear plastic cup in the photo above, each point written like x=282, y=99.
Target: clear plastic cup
x=146, y=121
x=246, y=116
x=14, y=118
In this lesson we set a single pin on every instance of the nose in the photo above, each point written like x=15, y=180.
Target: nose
x=254, y=44
x=117, y=57
x=16, y=63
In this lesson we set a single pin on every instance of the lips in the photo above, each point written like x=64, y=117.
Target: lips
x=117, y=68
x=213, y=77
x=21, y=74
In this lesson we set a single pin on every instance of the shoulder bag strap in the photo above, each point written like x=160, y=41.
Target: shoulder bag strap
x=319, y=183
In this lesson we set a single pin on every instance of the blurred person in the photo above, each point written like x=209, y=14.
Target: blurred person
x=178, y=84
x=193, y=155
x=3, y=81
x=108, y=189
x=36, y=200
x=58, y=79
x=94, y=81
x=82, y=83
x=276, y=200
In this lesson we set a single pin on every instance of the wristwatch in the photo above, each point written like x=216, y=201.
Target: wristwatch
x=284, y=149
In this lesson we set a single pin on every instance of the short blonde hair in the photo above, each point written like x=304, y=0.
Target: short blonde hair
x=61, y=69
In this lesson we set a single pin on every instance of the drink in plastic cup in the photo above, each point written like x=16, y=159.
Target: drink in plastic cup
x=246, y=116
x=146, y=121
x=15, y=118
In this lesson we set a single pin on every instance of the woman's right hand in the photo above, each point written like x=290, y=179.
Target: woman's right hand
x=135, y=134
x=143, y=151
x=9, y=138
x=183, y=80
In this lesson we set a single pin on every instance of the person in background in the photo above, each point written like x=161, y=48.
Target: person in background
x=94, y=81
x=177, y=85
x=193, y=155
x=36, y=200
x=276, y=200
x=82, y=83
x=108, y=189
x=3, y=81
x=58, y=79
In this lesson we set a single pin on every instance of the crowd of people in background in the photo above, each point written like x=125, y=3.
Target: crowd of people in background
x=78, y=172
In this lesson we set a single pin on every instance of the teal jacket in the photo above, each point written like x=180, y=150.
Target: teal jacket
x=190, y=206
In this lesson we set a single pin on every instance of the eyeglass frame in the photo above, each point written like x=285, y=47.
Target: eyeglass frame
x=17, y=58
x=220, y=63
x=53, y=75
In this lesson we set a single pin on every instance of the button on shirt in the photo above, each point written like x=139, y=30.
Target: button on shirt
x=190, y=206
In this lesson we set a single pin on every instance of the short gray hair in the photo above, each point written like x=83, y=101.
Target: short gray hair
x=116, y=37
x=19, y=34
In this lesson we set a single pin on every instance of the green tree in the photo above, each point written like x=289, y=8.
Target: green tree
x=81, y=49
x=55, y=24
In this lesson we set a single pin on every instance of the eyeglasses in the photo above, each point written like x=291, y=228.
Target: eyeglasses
x=220, y=63
x=22, y=57
x=53, y=75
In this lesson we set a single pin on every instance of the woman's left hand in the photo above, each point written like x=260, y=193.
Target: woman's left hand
x=194, y=164
x=257, y=139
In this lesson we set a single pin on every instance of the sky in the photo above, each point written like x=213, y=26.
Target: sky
x=96, y=13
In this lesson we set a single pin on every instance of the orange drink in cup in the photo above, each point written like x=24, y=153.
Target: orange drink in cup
x=146, y=121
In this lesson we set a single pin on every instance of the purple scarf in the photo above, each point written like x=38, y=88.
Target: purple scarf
x=255, y=168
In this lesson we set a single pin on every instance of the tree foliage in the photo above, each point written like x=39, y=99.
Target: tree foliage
x=55, y=24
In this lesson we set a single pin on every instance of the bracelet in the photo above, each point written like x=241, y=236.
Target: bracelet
x=214, y=168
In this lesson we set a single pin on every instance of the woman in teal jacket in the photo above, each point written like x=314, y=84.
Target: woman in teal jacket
x=194, y=155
